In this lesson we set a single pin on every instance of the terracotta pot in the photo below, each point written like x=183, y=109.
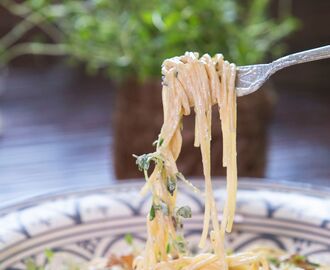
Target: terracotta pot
x=139, y=116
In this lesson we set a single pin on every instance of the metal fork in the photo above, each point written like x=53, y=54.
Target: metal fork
x=250, y=78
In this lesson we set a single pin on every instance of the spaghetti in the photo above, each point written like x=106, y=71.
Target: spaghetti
x=198, y=83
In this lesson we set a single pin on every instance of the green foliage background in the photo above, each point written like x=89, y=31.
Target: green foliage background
x=133, y=37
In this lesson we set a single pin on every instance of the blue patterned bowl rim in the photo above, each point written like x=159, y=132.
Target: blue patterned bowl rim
x=247, y=183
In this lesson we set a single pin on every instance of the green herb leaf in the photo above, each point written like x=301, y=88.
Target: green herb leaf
x=298, y=258
x=161, y=140
x=302, y=262
x=152, y=213
x=128, y=238
x=180, y=244
x=168, y=248
x=143, y=162
x=181, y=247
x=184, y=211
x=171, y=185
x=49, y=254
x=158, y=142
x=274, y=261
x=313, y=264
x=31, y=265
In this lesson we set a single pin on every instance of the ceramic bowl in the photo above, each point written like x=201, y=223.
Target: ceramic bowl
x=93, y=223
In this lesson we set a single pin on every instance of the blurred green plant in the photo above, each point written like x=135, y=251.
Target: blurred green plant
x=133, y=37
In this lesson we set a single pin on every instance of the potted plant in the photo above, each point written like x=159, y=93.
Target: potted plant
x=129, y=39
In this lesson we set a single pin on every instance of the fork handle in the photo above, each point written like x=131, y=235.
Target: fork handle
x=301, y=57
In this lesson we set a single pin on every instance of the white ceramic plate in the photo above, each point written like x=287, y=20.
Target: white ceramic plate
x=92, y=223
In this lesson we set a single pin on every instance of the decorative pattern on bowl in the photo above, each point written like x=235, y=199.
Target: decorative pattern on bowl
x=93, y=223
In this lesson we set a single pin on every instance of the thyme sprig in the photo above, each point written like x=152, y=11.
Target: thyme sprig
x=171, y=185
x=143, y=161
x=162, y=206
x=184, y=211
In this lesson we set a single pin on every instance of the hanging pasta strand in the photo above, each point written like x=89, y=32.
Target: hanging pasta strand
x=198, y=83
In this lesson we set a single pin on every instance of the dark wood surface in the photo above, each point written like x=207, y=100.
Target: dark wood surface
x=299, y=143
x=56, y=132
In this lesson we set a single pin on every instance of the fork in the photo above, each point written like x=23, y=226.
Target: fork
x=250, y=78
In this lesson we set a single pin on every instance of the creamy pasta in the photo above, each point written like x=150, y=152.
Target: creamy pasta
x=193, y=83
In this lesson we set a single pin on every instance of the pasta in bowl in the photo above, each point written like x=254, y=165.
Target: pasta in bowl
x=92, y=225
x=191, y=83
